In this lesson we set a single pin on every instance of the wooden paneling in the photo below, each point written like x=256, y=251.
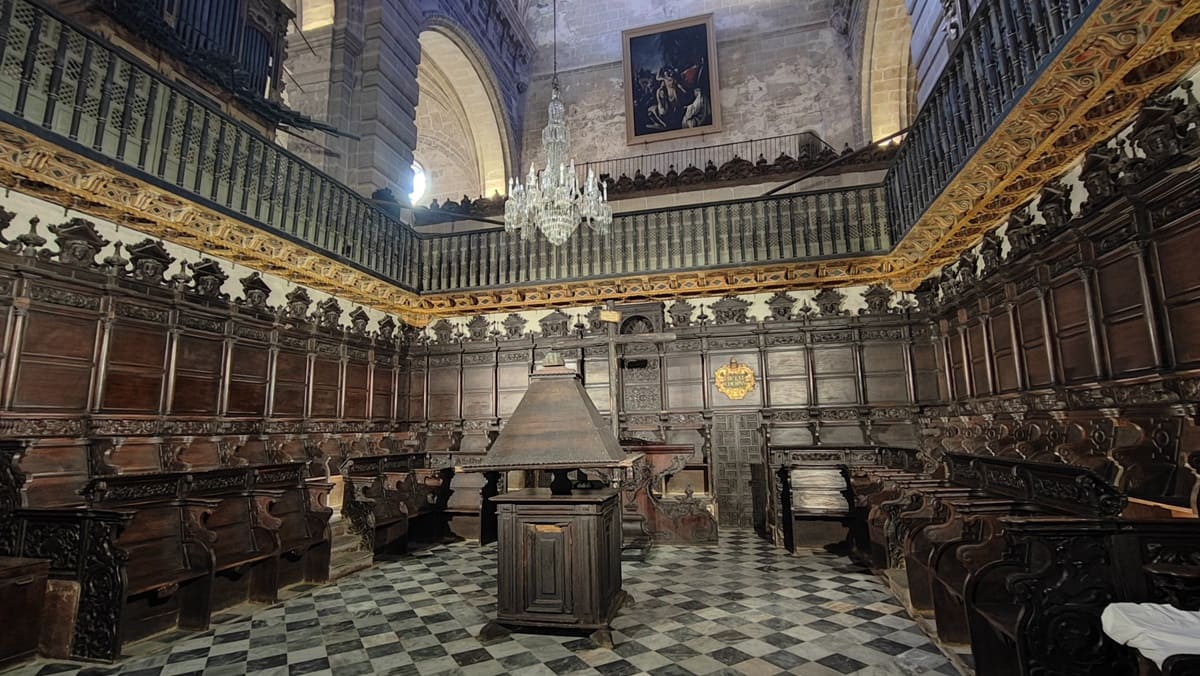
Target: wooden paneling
x=1069, y=303
x=291, y=377
x=54, y=369
x=1179, y=273
x=134, y=372
x=198, y=371
x=249, y=378
x=1033, y=341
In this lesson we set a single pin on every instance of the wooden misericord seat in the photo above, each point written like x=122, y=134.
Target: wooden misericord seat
x=167, y=552
x=245, y=536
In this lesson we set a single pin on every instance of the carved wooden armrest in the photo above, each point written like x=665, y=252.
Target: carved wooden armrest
x=1181, y=665
x=1176, y=570
x=262, y=499
x=266, y=539
x=196, y=512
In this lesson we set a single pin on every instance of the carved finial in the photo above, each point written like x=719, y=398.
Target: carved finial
x=180, y=279
x=208, y=278
x=255, y=292
x=298, y=302
x=29, y=244
x=329, y=313
x=358, y=322
x=115, y=264
x=6, y=218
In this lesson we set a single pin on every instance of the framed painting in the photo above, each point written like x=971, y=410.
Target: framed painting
x=671, y=80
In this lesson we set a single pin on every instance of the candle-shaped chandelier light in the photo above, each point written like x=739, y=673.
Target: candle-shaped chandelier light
x=552, y=200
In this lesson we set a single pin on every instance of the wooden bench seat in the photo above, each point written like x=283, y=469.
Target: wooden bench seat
x=302, y=509
x=246, y=542
x=944, y=529
x=376, y=501
x=167, y=550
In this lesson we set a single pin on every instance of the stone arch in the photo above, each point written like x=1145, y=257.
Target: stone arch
x=463, y=135
x=888, y=78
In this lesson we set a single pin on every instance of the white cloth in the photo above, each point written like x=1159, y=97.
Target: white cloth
x=1156, y=630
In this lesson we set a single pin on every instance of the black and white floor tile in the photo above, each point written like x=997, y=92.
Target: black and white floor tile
x=740, y=607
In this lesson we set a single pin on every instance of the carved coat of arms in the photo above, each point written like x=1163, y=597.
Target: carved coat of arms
x=735, y=379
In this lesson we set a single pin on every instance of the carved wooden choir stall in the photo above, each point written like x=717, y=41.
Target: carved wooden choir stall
x=559, y=549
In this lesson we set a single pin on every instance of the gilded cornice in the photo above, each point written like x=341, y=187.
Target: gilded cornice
x=1122, y=53
x=37, y=166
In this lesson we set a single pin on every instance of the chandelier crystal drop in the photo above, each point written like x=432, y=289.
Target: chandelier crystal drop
x=552, y=200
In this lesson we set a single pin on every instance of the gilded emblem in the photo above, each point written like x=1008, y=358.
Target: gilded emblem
x=735, y=379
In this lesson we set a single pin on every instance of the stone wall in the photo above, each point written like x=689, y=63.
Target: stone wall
x=783, y=68
x=446, y=148
x=355, y=66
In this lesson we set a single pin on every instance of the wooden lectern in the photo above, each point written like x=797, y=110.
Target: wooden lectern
x=558, y=549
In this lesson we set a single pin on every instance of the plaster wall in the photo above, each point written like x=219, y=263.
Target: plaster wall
x=783, y=68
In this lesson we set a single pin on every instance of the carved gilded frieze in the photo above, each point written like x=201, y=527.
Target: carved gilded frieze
x=1124, y=51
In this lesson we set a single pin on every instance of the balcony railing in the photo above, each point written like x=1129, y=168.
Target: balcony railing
x=781, y=229
x=1002, y=50
x=64, y=84
x=804, y=148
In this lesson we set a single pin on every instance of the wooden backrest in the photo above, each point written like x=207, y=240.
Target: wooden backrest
x=291, y=508
x=1057, y=487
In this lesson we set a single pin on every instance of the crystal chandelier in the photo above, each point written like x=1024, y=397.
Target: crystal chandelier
x=551, y=200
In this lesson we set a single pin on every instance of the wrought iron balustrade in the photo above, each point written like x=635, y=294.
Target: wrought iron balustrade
x=239, y=44
x=1000, y=54
x=66, y=85
x=802, y=226
x=805, y=148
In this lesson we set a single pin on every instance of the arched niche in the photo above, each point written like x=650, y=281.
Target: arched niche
x=888, y=78
x=462, y=140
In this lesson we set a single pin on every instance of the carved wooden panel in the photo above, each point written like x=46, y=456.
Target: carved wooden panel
x=787, y=376
x=326, y=382
x=198, y=371
x=55, y=363
x=546, y=567
x=1180, y=279
x=1004, y=360
x=355, y=393
x=134, y=371
x=1126, y=333
x=1033, y=341
x=249, y=372
x=443, y=390
x=641, y=382
x=929, y=366
x=416, y=395
x=885, y=377
x=383, y=392
x=513, y=381
x=1072, y=336
x=685, y=381
x=477, y=390
x=737, y=444
x=291, y=374
x=978, y=353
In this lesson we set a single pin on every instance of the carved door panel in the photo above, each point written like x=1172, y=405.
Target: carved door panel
x=737, y=445
x=546, y=574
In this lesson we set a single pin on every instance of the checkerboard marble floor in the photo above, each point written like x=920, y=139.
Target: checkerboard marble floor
x=740, y=607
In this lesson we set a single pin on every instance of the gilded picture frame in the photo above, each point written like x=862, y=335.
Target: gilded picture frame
x=671, y=80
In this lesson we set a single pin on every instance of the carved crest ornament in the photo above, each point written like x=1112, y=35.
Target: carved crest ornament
x=734, y=380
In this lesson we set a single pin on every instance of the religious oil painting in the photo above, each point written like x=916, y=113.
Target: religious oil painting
x=671, y=80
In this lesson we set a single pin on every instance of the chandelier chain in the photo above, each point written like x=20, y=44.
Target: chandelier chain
x=551, y=201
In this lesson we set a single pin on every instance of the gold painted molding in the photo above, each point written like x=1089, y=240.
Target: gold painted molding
x=1125, y=51
x=34, y=165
